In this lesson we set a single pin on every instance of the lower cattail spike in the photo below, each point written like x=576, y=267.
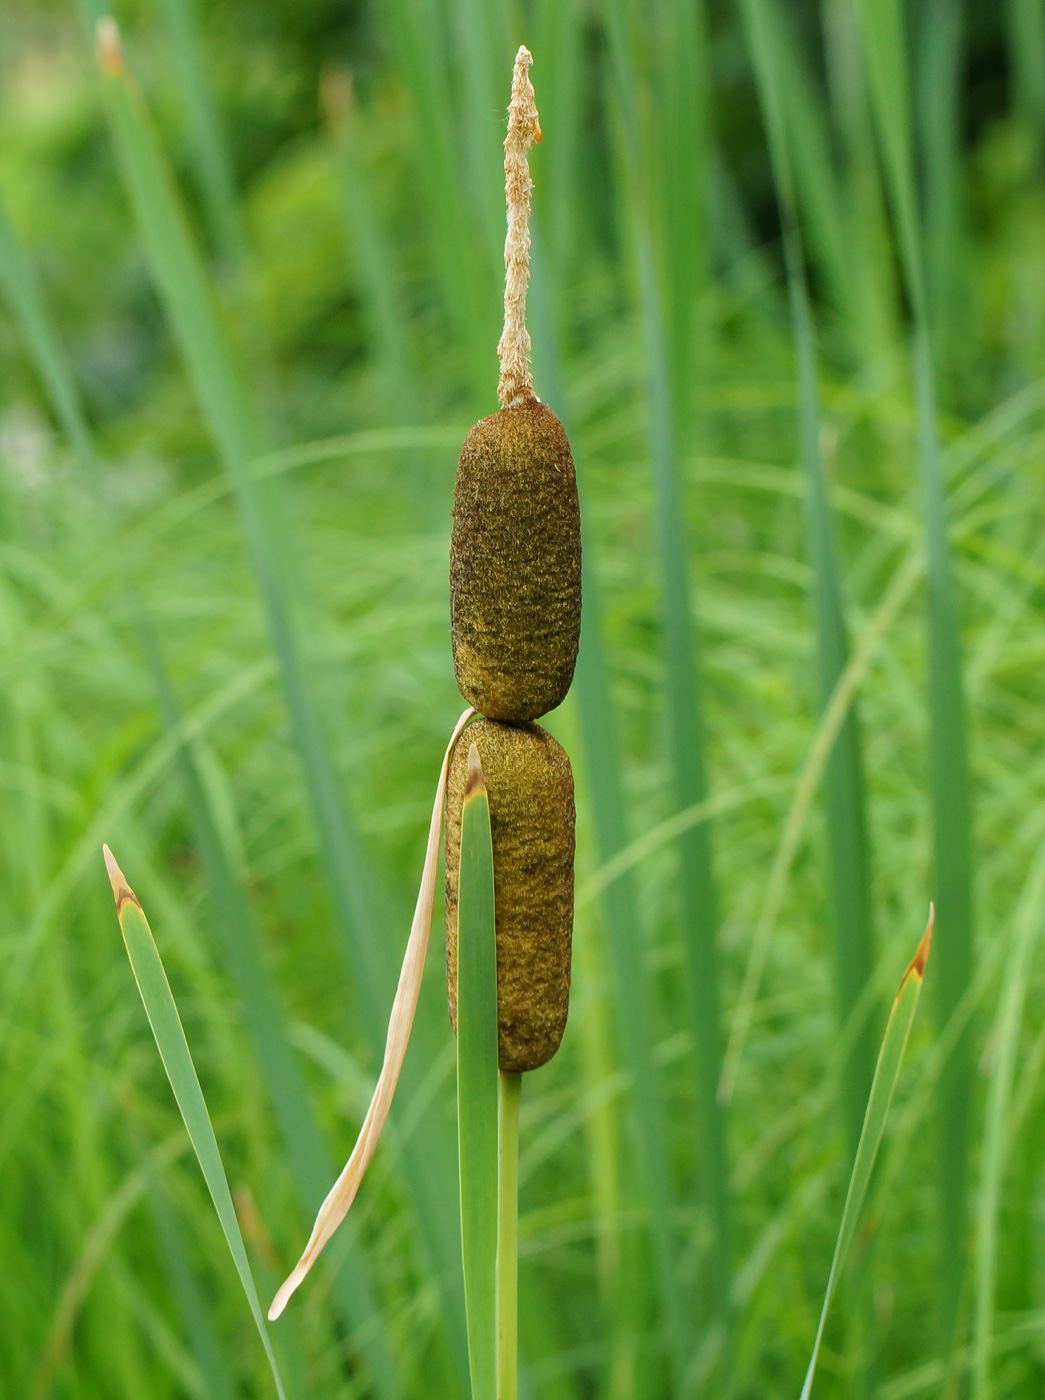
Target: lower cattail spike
x=530, y=788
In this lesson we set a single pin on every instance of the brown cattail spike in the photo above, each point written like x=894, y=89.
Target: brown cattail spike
x=530, y=787
x=515, y=564
x=515, y=555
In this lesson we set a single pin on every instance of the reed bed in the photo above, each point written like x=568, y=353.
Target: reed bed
x=786, y=300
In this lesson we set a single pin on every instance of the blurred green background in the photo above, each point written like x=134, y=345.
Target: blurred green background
x=789, y=299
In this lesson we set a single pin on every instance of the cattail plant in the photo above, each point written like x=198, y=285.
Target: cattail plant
x=507, y=790
x=515, y=601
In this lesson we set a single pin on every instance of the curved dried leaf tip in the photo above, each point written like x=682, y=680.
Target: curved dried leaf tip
x=343, y=1192
x=524, y=128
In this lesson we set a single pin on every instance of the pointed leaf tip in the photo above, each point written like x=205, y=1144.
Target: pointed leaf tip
x=921, y=957
x=474, y=781
x=283, y=1296
x=121, y=890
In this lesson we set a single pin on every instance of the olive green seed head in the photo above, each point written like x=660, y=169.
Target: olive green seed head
x=530, y=787
x=515, y=563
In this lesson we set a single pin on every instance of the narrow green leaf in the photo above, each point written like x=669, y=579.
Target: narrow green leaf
x=468, y=270
x=225, y=401
x=477, y=1079
x=1026, y=35
x=559, y=71
x=882, y=27
x=679, y=142
x=939, y=79
x=619, y=911
x=373, y=248
x=192, y=1304
x=887, y=1072
x=307, y=1153
x=209, y=147
x=481, y=58
x=657, y=294
x=20, y=286
x=231, y=417
x=893, y=599
x=997, y=1143
x=844, y=785
x=870, y=261
x=510, y=1088
x=174, y=1050
x=817, y=187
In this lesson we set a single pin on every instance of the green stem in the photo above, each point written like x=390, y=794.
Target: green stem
x=508, y=1236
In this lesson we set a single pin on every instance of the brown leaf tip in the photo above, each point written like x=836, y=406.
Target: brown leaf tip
x=474, y=782
x=110, y=50
x=921, y=957
x=120, y=888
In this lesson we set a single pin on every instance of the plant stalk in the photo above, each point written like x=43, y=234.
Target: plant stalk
x=507, y=1300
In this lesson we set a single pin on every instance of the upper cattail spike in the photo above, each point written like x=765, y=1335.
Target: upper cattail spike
x=524, y=128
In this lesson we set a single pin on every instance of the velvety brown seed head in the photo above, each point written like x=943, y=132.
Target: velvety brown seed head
x=515, y=564
x=530, y=789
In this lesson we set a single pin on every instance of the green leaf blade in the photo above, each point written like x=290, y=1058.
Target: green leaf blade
x=882, y=28
x=167, y=1029
x=887, y=1072
x=477, y=1078
x=230, y=412
x=845, y=797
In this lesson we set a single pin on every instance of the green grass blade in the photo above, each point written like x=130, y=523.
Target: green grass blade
x=372, y=248
x=207, y=138
x=625, y=949
x=20, y=286
x=509, y=1090
x=1026, y=35
x=482, y=59
x=818, y=187
x=817, y=190
x=699, y=920
x=178, y=271
x=682, y=129
x=619, y=912
x=869, y=253
x=699, y=916
x=996, y=1128
x=307, y=1154
x=477, y=1079
x=887, y=1072
x=939, y=86
x=223, y=397
x=309, y=1159
x=843, y=782
x=882, y=30
x=882, y=35
x=559, y=73
x=619, y=909
x=470, y=273
x=167, y=1029
x=193, y=315
x=191, y=1302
